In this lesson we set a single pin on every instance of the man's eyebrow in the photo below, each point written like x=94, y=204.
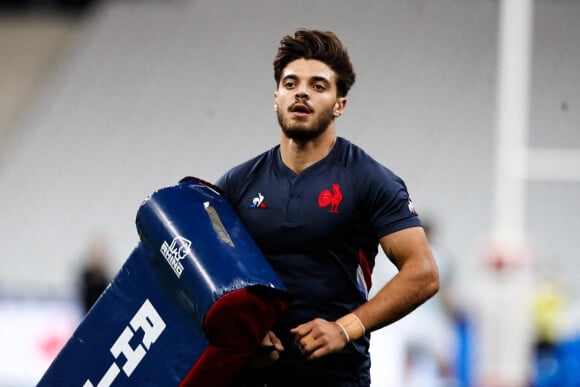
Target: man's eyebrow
x=313, y=79
x=290, y=76
x=320, y=79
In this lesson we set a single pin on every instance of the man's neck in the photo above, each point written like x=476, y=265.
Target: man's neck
x=300, y=155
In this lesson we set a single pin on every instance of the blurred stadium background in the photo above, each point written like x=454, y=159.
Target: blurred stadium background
x=103, y=102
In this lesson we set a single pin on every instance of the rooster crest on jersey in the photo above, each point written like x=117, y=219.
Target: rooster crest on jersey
x=330, y=198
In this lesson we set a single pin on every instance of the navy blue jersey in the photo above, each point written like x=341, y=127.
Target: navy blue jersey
x=320, y=229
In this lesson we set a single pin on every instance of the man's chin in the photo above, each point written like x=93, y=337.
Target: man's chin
x=301, y=134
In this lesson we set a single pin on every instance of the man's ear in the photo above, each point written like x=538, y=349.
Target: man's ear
x=339, y=106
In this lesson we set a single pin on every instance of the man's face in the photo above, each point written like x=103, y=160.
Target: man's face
x=306, y=101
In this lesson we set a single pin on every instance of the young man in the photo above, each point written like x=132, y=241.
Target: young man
x=318, y=207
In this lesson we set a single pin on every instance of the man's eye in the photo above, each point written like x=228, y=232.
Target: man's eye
x=319, y=87
x=289, y=85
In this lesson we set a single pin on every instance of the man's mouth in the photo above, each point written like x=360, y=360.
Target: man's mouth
x=300, y=108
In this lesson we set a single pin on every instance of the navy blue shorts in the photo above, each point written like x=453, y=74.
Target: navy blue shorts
x=293, y=370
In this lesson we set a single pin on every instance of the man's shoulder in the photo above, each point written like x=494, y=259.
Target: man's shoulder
x=241, y=173
x=355, y=158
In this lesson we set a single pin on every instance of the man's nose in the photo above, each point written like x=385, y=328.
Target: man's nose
x=301, y=94
x=301, y=91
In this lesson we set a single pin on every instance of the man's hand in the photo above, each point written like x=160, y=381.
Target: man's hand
x=268, y=353
x=319, y=337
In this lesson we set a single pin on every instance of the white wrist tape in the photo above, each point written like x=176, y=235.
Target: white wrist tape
x=351, y=326
x=344, y=332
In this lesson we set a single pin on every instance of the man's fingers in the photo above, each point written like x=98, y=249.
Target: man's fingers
x=271, y=340
x=274, y=355
x=264, y=356
x=309, y=343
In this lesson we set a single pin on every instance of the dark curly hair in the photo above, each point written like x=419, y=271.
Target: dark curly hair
x=319, y=45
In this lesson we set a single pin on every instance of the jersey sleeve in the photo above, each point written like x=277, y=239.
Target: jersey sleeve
x=387, y=201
